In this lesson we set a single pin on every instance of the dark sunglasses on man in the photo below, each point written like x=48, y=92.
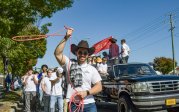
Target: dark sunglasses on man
x=83, y=53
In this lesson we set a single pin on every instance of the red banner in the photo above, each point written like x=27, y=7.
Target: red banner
x=102, y=45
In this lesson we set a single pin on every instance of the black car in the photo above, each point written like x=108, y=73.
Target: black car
x=136, y=87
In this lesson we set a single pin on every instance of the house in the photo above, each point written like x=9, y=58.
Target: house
x=176, y=71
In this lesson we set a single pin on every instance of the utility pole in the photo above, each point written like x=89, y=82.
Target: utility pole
x=172, y=37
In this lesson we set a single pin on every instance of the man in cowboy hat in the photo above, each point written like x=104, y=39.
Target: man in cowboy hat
x=113, y=52
x=82, y=75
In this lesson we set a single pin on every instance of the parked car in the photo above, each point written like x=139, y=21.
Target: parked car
x=136, y=87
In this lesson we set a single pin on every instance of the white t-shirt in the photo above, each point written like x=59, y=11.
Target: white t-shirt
x=47, y=83
x=89, y=76
x=57, y=88
x=43, y=75
x=16, y=84
x=125, y=48
x=103, y=68
x=30, y=86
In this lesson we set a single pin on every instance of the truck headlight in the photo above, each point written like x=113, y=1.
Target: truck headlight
x=140, y=87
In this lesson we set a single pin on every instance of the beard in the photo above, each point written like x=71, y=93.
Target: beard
x=82, y=59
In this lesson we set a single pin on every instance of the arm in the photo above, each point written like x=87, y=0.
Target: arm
x=43, y=87
x=55, y=80
x=94, y=90
x=118, y=51
x=25, y=80
x=109, y=55
x=96, y=81
x=59, y=49
x=129, y=50
x=35, y=80
x=122, y=49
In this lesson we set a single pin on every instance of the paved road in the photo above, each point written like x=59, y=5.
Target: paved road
x=106, y=107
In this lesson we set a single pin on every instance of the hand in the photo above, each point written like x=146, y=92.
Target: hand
x=26, y=78
x=59, y=75
x=25, y=81
x=33, y=78
x=69, y=32
x=83, y=94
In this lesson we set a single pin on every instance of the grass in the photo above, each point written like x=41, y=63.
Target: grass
x=9, y=99
x=11, y=96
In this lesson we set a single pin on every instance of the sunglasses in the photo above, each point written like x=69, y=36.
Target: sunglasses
x=83, y=53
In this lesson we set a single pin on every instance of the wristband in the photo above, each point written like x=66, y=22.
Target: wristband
x=88, y=93
x=66, y=38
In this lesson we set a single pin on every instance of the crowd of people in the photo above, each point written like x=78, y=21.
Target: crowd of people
x=115, y=55
x=74, y=82
x=12, y=83
x=42, y=90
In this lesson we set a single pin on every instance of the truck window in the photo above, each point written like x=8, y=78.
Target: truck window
x=133, y=69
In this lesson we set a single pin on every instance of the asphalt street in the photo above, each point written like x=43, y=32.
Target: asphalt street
x=106, y=107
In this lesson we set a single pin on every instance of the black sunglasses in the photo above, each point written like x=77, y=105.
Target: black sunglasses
x=83, y=53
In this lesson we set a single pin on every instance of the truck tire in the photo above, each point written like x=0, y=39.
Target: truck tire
x=125, y=104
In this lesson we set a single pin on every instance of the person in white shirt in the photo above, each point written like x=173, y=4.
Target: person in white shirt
x=30, y=81
x=125, y=50
x=46, y=87
x=16, y=84
x=39, y=88
x=56, y=90
x=98, y=63
x=103, y=68
x=82, y=75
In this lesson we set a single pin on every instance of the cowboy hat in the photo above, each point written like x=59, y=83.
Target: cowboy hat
x=82, y=44
x=98, y=60
x=113, y=40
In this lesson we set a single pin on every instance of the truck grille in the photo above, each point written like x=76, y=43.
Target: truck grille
x=163, y=86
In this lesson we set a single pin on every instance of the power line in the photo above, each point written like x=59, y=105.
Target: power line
x=148, y=25
x=150, y=44
x=144, y=35
x=152, y=25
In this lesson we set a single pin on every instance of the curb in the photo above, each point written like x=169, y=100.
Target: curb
x=11, y=110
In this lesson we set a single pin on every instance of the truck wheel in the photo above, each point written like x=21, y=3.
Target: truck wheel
x=125, y=105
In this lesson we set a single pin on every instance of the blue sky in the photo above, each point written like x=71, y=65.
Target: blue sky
x=143, y=23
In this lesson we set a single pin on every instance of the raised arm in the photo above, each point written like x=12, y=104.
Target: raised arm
x=59, y=49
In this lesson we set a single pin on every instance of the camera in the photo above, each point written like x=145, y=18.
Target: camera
x=59, y=72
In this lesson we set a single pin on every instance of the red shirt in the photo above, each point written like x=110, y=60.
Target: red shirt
x=113, y=51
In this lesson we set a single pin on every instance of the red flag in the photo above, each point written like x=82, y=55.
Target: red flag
x=102, y=45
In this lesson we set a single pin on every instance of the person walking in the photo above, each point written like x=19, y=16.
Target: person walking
x=102, y=69
x=30, y=81
x=40, y=78
x=56, y=90
x=125, y=50
x=8, y=82
x=46, y=88
x=85, y=81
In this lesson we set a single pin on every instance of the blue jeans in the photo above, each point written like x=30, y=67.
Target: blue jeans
x=53, y=100
x=91, y=107
x=8, y=85
x=40, y=97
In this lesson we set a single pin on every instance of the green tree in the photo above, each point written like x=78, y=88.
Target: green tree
x=163, y=64
x=20, y=17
